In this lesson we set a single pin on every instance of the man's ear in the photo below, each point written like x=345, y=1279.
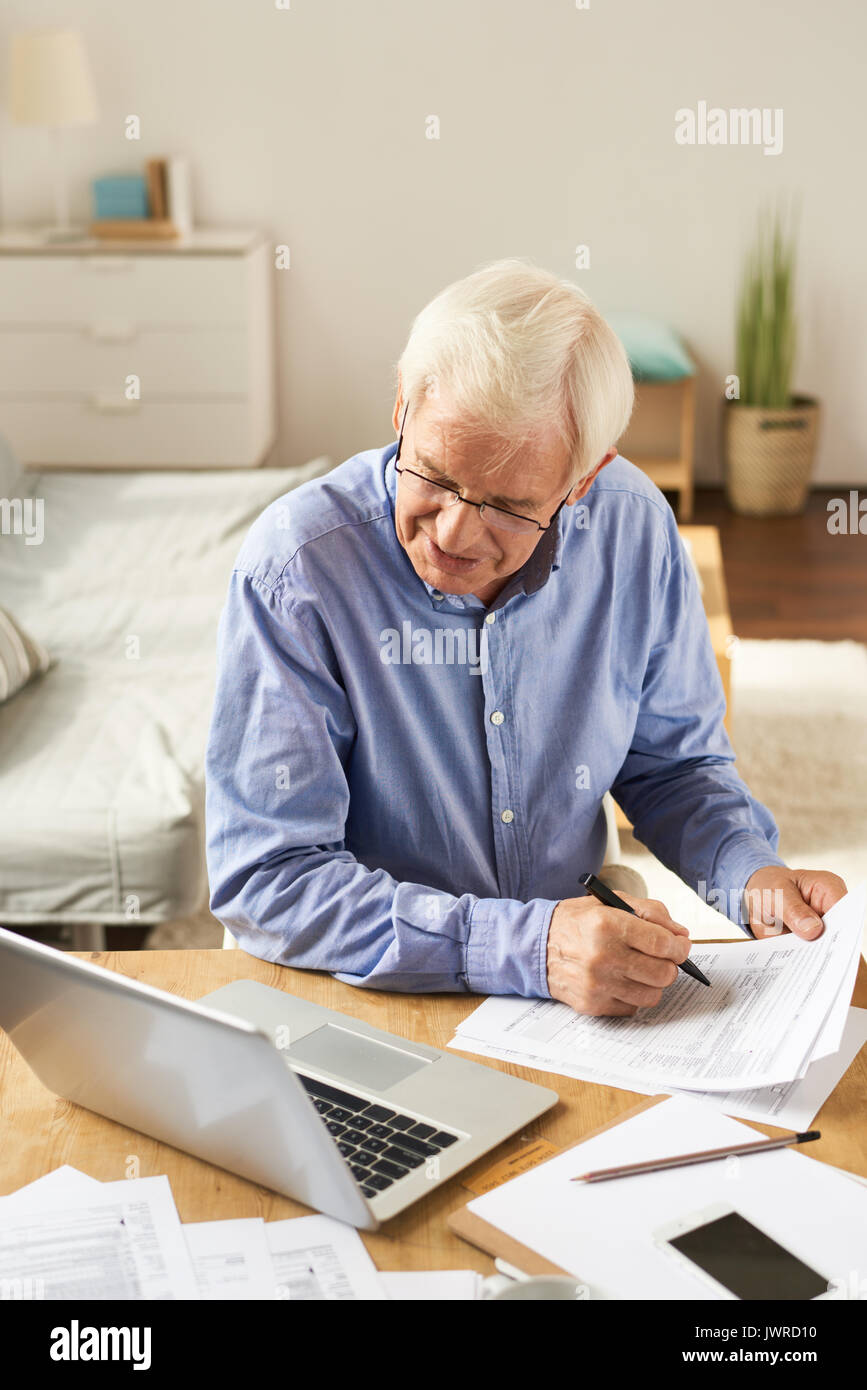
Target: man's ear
x=583, y=488
x=398, y=405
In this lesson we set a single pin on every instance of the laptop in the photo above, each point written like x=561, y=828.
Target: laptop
x=307, y=1101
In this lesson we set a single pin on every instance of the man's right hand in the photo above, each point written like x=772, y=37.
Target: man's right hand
x=604, y=961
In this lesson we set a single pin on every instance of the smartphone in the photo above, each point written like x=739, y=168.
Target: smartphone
x=738, y=1260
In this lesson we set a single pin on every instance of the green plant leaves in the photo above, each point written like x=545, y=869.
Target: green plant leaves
x=765, y=330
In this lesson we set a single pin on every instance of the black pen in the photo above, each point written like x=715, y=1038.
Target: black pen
x=604, y=895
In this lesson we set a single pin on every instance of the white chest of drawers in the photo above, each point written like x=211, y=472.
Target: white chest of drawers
x=191, y=323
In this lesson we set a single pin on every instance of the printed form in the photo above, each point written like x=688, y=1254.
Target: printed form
x=78, y=1239
x=773, y=1007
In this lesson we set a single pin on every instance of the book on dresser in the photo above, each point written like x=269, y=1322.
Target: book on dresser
x=125, y=354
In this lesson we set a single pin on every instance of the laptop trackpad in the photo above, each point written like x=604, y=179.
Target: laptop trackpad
x=356, y=1058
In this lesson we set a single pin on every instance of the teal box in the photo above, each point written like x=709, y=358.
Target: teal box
x=120, y=195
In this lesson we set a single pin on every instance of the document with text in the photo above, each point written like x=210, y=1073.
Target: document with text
x=318, y=1258
x=119, y=1240
x=772, y=1008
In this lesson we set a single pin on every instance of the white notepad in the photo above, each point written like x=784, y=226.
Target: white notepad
x=602, y=1233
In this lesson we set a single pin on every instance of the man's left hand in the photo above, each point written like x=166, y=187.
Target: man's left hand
x=779, y=898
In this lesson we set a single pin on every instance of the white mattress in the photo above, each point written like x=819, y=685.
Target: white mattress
x=101, y=759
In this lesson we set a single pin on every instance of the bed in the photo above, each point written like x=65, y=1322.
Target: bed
x=101, y=758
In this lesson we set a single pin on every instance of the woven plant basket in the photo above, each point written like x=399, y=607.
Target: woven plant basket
x=769, y=456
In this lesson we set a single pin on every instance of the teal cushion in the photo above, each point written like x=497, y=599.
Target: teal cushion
x=654, y=350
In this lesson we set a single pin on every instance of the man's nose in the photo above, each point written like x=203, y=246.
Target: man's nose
x=458, y=527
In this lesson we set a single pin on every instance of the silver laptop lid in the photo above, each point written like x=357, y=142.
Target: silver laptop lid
x=206, y=1082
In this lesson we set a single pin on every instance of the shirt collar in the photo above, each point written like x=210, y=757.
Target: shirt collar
x=532, y=575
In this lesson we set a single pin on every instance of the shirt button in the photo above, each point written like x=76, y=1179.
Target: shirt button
x=436, y=595
x=490, y=618
x=507, y=817
x=497, y=717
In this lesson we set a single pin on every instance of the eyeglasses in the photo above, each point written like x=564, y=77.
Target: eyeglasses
x=443, y=496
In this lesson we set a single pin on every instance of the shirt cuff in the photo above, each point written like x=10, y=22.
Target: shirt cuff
x=739, y=870
x=506, y=950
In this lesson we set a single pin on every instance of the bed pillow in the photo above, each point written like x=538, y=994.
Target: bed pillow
x=21, y=657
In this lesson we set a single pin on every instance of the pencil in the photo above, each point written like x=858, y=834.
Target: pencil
x=656, y=1165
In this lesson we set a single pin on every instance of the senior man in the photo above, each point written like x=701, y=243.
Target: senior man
x=435, y=661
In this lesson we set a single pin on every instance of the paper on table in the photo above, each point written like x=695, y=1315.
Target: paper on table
x=119, y=1240
x=832, y=1029
x=431, y=1284
x=63, y=1179
x=791, y=1105
x=231, y=1258
x=316, y=1257
x=603, y=1233
x=794, y=1104
x=768, y=1003
x=600, y=1076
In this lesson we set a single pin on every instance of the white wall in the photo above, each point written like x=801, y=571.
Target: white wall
x=557, y=128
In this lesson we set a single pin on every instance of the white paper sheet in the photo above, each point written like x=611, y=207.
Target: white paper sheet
x=231, y=1258
x=63, y=1179
x=598, y=1075
x=831, y=1032
x=792, y=1105
x=316, y=1257
x=120, y=1240
x=431, y=1284
x=769, y=1003
x=603, y=1233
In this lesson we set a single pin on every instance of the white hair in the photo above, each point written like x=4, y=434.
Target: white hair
x=515, y=350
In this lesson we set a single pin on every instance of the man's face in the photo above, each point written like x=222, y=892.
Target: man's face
x=452, y=547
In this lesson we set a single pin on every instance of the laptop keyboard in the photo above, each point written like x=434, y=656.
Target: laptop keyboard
x=380, y=1145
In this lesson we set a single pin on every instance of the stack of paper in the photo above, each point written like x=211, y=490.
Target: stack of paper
x=768, y=1040
x=67, y=1236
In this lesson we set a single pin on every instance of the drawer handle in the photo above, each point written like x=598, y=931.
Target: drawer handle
x=114, y=405
x=113, y=332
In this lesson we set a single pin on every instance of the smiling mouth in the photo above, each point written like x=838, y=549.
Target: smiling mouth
x=452, y=564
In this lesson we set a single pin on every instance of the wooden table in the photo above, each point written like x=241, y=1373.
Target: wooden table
x=40, y=1132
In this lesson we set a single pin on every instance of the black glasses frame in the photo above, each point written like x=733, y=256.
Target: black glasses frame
x=481, y=505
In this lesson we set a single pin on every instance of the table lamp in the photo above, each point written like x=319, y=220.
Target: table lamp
x=50, y=84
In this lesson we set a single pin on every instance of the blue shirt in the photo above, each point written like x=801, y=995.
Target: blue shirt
x=402, y=783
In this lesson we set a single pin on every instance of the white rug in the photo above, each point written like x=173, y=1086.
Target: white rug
x=799, y=729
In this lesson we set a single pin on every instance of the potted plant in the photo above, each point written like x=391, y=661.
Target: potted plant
x=770, y=435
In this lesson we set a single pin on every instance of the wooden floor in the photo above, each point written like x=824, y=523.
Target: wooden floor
x=789, y=577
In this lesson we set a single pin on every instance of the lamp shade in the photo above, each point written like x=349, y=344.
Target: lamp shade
x=49, y=79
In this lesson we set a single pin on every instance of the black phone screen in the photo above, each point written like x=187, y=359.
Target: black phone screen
x=747, y=1262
